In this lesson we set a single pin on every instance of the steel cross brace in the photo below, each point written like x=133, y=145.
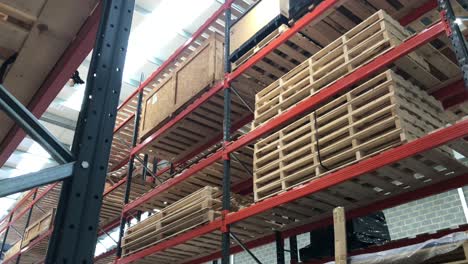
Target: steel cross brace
x=29, y=123
x=239, y=242
x=28, y=181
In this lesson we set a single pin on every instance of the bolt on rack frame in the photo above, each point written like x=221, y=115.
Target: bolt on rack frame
x=425, y=143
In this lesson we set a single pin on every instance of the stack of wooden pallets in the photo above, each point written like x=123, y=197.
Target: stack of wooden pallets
x=360, y=45
x=379, y=114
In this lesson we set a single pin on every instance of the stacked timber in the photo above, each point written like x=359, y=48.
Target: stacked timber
x=189, y=213
x=381, y=113
x=194, y=210
x=13, y=250
x=38, y=228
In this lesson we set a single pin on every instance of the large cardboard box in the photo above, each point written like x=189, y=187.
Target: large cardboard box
x=200, y=71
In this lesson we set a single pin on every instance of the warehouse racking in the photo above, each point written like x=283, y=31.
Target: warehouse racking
x=121, y=161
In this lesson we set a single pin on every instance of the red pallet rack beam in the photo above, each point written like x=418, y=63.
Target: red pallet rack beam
x=202, y=99
x=424, y=192
x=169, y=183
x=73, y=56
x=450, y=90
x=179, y=50
x=340, y=85
x=425, y=143
x=218, y=87
x=308, y=104
x=418, y=12
x=422, y=144
x=455, y=100
x=20, y=214
x=121, y=125
x=214, y=225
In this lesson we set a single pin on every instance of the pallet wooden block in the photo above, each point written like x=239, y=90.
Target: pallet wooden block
x=381, y=113
x=38, y=228
x=200, y=71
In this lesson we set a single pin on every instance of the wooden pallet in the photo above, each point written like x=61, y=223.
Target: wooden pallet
x=44, y=224
x=439, y=66
x=382, y=113
x=358, y=46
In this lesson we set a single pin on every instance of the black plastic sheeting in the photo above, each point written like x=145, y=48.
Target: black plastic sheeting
x=441, y=250
x=361, y=232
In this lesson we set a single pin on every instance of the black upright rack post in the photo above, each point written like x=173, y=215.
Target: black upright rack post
x=131, y=164
x=279, y=248
x=225, y=243
x=293, y=249
x=75, y=230
x=28, y=220
x=456, y=37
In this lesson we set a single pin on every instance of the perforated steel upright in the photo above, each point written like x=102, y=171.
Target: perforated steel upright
x=225, y=244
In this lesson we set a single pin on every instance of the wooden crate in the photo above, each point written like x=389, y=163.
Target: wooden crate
x=38, y=228
x=194, y=210
x=354, y=49
x=200, y=71
x=13, y=250
x=381, y=113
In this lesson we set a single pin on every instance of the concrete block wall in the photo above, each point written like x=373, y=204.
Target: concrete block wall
x=432, y=213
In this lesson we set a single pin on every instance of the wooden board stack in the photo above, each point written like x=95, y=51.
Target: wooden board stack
x=361, y=44
x=38, y=228
x=13, y=250
x=381, y=113
x=194, y=210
